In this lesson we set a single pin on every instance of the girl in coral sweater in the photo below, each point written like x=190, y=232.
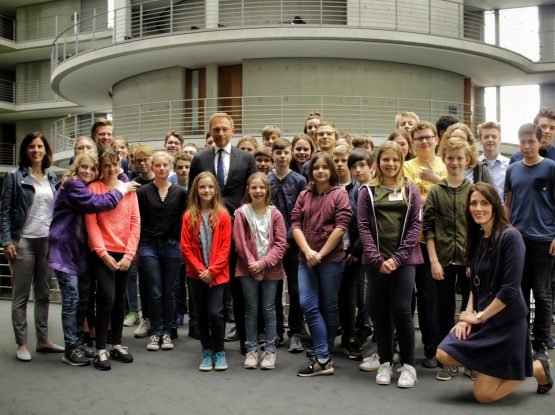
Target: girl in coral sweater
x=113, y=237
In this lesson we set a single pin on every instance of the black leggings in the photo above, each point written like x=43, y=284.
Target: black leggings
x=110, y=300
x=391, y=297
x=209, y=308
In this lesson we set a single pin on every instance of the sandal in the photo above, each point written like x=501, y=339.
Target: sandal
x=544, y=360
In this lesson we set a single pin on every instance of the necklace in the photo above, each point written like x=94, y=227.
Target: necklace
x=476, y=278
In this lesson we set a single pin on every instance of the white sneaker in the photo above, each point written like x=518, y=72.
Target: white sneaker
x=143, y=329
x=131, y=319
x=408, y=376
x=370, y=363
x=251, y=360
x=384, y=374
x=268, y=360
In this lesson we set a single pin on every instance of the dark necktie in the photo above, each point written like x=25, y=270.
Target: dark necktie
x=220, y=169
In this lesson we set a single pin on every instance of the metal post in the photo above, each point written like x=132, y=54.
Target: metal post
x=497, y=29
x=56, y=24
x=281, y=13
x=171, y=16
x=429, y=17
x=321, y=13
x=140, y=21
x=498, y=102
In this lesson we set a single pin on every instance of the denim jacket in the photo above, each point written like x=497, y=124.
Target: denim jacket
x=17, y=197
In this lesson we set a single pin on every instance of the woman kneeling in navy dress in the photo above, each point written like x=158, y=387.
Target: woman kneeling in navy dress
x=491, y=337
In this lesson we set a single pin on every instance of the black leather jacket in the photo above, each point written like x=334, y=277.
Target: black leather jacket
x=17, y=197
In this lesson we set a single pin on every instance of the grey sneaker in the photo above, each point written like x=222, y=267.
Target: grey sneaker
x=268, y=360
x=447, y=373
x=131, y=319
x=251, y=360
x=153, y=343
x=295, y=345
x=143, y=329
x=166, y=343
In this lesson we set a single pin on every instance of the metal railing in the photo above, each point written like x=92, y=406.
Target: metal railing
x=155, y=18
x=48, y=27
x=7, y=91
x=7, y=28
x=35, y=91
x=7, y=154
x=356, y=114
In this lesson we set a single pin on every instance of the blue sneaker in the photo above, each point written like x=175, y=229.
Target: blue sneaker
x=220, y=362
x=207, y=363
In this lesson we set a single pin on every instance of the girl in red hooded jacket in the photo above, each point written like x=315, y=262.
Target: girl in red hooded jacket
x=205, y=245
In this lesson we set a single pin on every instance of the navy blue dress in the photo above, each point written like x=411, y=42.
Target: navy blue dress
x=499, y=347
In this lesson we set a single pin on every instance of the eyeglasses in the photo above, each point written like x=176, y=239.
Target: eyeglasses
x=424, y=137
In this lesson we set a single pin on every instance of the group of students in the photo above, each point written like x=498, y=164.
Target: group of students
x=352, y=230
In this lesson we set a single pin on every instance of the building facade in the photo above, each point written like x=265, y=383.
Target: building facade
x=158, y=65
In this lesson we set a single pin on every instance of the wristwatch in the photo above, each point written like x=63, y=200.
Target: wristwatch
x=479, y=317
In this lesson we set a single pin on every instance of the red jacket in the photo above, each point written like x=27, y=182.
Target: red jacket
x=247, y=251
x=219, y=254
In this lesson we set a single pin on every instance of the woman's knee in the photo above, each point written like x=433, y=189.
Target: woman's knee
x=443, y=357
x=482, y=396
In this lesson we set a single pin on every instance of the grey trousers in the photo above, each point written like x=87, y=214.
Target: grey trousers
x=30, y=267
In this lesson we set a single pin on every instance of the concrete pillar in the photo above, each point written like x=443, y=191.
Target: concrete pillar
x=122, y=20
x=497, y=28
x=498, y=103
x=547, y=33
x=547, y=95
x=211, y=90
x=212, y=14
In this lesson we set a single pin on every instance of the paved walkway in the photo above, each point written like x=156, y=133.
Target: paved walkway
x=169, y=383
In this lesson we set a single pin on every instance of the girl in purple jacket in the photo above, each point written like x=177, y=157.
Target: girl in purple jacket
x=319, y=219
x=68, y=251
x=389, y=221
x=260, y=240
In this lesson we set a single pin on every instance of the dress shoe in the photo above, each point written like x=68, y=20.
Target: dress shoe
x=54, y=348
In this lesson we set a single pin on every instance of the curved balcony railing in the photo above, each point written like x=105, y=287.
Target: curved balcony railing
x=363, y=114
x=159, y=18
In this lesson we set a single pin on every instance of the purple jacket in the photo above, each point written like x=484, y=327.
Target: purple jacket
x=247, y=251
x=318, y=215
x=408, y=252
x=67, y=244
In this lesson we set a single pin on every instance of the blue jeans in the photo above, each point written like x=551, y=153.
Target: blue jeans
x=318, y=291
x=75, y=299
x=251, y=294
x=160, y=262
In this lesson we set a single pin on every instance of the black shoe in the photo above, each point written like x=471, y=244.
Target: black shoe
x=279, y=340
x=315, y=368
x=233, y=336
x=88, y=350
x=102, y=361
x=193, y=332
x=121, y=354
x=76, y=357
x=243, y=348
x=173, y=333
x=355, y=351
x=544, y=360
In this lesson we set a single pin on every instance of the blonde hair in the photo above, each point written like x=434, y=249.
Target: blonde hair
x=268, y=130
x=143, y=150
x=72, y=170
x=164, y=154
x=194, y=209
x=473, y=150
x=454, y=144
x=412, y=115
x=264, y=179
x=248, y=139
x=378, y=174
x=83, y=138
x=220, y=115
x=341, y=149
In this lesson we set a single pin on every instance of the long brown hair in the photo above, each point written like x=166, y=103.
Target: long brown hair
x=264, y=179
x=334, y=178
x=195, y=209
x=474, y=231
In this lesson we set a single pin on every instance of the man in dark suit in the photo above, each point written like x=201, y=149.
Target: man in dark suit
x=232, y=167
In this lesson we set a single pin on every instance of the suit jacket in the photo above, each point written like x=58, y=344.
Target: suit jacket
x=241, y=166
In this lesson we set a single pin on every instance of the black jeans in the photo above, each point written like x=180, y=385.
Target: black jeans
x=291, y=266
x=538, y=267
x=209, y=306
x=110, y=300
x=446, y=300
x=390, y=299
x=348, y=300
x=426, y=303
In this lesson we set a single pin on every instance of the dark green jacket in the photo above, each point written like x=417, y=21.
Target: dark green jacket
x=444, y=221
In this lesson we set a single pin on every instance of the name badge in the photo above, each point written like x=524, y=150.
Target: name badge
x=395, y=197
